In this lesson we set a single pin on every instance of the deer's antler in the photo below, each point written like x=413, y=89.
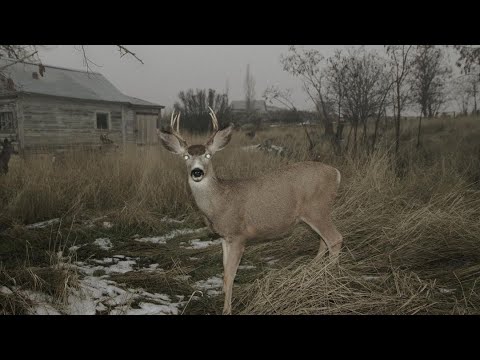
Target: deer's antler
x=214, y=119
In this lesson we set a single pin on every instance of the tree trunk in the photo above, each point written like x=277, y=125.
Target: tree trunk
x=328, y=126
x=419, y=131
x=397, y=124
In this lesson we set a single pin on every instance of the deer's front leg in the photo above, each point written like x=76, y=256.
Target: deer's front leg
x=232, y=255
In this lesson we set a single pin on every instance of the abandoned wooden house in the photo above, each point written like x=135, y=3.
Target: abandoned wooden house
x=45, y=107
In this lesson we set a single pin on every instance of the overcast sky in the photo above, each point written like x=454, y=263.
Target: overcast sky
x=168, y=69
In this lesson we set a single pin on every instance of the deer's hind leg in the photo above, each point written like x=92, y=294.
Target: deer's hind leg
x=322, y=224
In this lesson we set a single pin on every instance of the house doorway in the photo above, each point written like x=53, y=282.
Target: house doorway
x=146, y=128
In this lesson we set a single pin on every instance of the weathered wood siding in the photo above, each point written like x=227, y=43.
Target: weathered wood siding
x=56, y=122
x=9, y=104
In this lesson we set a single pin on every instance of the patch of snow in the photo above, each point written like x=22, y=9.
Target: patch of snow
x=41, y=303
x=182, y=277
x=100, y=294
x=148, y=309
x=246, y=267
x=198, y=244
x=211, y=285
x=171, y=221
x=251, y=147
x=193, y=258
x=115, y=265
x=43, y=224
x=75, y=247
x=44, y=309
x=5, y=290
x=371, y=277
x=107, y=225
x=103, y=243
x=270, y=260
x=100, y=307
x=446, y=291
x=152, y=267
x=163, y=239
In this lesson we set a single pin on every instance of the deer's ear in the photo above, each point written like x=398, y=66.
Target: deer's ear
x=219, y=140
x=172, y=143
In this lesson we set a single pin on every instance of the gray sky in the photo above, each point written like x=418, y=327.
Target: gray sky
x=168, y=69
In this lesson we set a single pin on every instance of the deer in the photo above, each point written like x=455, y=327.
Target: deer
x=261, y=208
x=5, y=155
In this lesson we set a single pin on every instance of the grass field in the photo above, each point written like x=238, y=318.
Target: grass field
x=125, y=236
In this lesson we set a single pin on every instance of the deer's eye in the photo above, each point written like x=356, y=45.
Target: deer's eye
x=186, y=157
x=208, y=156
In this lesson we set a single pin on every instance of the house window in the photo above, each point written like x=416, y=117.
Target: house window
x=6, y=120
x=103, y=120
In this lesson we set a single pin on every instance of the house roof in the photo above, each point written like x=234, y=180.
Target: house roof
x=241, y=105
x=64, y=82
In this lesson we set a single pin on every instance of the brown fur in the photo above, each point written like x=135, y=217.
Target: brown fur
x=196, y=150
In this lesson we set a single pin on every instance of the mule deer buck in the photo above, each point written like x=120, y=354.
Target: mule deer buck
x=5, y=155
x=264, y=207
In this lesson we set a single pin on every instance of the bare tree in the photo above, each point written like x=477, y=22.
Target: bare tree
x=193, y=106
x=469, y=57
x=400, y=65
x=307, y=66
x=429, y=78
x=284, y=97
x=249, y=87
x=462, y=95
x=22, y=53
x=358, y=84
x=430, y=74
x=19, y=53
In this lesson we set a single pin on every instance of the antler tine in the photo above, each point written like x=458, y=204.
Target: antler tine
x=214, y=119
x=172, y=119
x=178, y=123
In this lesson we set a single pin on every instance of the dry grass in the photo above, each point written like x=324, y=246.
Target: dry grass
x=406, y=238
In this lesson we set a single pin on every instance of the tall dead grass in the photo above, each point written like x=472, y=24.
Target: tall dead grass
x=411, y=243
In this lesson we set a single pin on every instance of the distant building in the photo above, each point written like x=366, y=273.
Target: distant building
x=271, y=108
x=240, y=106
x=51, y=107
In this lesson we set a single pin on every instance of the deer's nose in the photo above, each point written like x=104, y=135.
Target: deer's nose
x=196, y=173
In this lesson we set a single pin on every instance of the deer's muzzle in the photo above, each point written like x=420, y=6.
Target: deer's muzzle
x=197, y=174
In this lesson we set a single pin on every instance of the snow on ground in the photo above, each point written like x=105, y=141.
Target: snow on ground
x=75, y=247
x=5, y=290
x=171, y=221
x=446, y=291
x=148, y=309
x=96, y=294
x=251, y=147
x=198, y=244
x=106, y=265
x=173, y=234
x=43, y=224
x=246, y=267
x=270, y=260
x=103, y=243
x=213, y=286
x=107, y=225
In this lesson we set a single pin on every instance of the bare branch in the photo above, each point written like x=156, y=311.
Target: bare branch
x=19, y=60
x=124, y=51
